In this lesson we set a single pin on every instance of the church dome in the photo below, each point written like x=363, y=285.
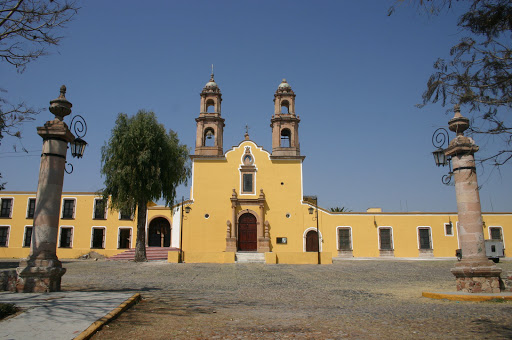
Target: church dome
x=211, y=86
x=284, y=87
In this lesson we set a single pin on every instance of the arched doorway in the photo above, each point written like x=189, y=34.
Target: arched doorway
x=159, y=233
x=312, y=241
x=247, y=233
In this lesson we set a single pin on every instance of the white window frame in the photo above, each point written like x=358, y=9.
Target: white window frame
x=132, y=216
x=429, y=234
x=320, y=238
x=104, y=242
x=25, y=235
x=392, y=238
x=131, y=236
x=72, y=236
x=8, y=235
x=62, y=208
x=94, y=209
x=502, y=234
x=453, y=231
x=338, y=238
x=12, y=205
x=28, y=206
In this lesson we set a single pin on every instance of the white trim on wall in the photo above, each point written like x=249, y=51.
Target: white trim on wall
x=391, y=236
x=429, y=235
x=60, y=232
x=8, y=235
x=320, y=238
x=104, y=236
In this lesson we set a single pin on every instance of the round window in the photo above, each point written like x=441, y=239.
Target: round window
x=288, y=215
x=206, y=215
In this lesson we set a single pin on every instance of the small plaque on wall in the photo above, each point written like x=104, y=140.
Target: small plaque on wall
x=281, y=240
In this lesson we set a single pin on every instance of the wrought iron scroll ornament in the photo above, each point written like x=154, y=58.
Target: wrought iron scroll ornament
x=441, y=140
x=79, y=128
x=65, y=168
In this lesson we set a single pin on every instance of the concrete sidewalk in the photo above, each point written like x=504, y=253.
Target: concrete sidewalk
x=61, y=315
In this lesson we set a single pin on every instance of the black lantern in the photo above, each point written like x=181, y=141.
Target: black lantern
x=187, y=209
x=311, y=210
x=78, y=147
x=440, y=157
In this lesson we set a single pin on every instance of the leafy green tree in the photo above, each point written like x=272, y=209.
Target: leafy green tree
x=27, y=29
x=142, y=162
x=478, y=74
x=339, y=209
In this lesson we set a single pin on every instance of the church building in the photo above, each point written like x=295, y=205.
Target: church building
x=246, y=204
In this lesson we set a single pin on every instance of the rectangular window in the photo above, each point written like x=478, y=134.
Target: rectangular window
x=344, y=239
x=66, y=237
x=98, y=238
x=495, y=233
x=68, y=208
x=125, y=238
x=385, y=239
x=27, y=239
x=247, y=183
x=4, y=236
x=31, y=208
x=448, y=229
x=424, y=235
x=100, y=209
x=125, y=215
x=6, y=207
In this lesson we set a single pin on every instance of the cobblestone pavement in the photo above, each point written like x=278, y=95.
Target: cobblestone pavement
x=349, y=299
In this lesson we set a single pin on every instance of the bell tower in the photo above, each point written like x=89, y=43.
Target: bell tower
x=210, y=125
x=284, y=122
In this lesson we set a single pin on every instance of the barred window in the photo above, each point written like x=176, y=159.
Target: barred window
x=66, y=237
x=31, y=207
x=425, y=241
x=344, y=239
x=385, y=239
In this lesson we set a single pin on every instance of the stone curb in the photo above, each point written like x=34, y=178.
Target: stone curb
x=468, y=297
x=97, y=325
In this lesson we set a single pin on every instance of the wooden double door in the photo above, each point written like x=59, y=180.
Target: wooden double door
x=247, y=233
x=159, y=233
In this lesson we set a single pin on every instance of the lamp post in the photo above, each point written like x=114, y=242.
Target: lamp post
x=42, y=271
x=475, y=273
x=311, y=210
x=187, y=210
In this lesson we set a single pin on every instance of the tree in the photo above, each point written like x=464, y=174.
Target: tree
x=478, y=74
x=339, y=209
x=27, y=29
x=141, y=163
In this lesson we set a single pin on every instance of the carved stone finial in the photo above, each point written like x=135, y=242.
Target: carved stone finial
x=61, y=107
x=458, y=123
x=233, y=194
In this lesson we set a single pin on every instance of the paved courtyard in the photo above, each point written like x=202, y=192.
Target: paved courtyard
x=350, y=299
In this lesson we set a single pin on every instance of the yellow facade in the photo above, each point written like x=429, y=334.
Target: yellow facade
x=246, y=200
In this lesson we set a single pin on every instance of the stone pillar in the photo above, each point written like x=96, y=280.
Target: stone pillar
x=231, y=233
x=475, y=273
x=42, y=270
x=263, y=239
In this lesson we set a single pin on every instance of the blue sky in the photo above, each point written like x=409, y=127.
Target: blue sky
x=357, y=74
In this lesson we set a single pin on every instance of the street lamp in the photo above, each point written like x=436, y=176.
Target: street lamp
x=42, y=271
x=311, y=210
x=440, y=139
x=474, y=273
x=187, y=210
